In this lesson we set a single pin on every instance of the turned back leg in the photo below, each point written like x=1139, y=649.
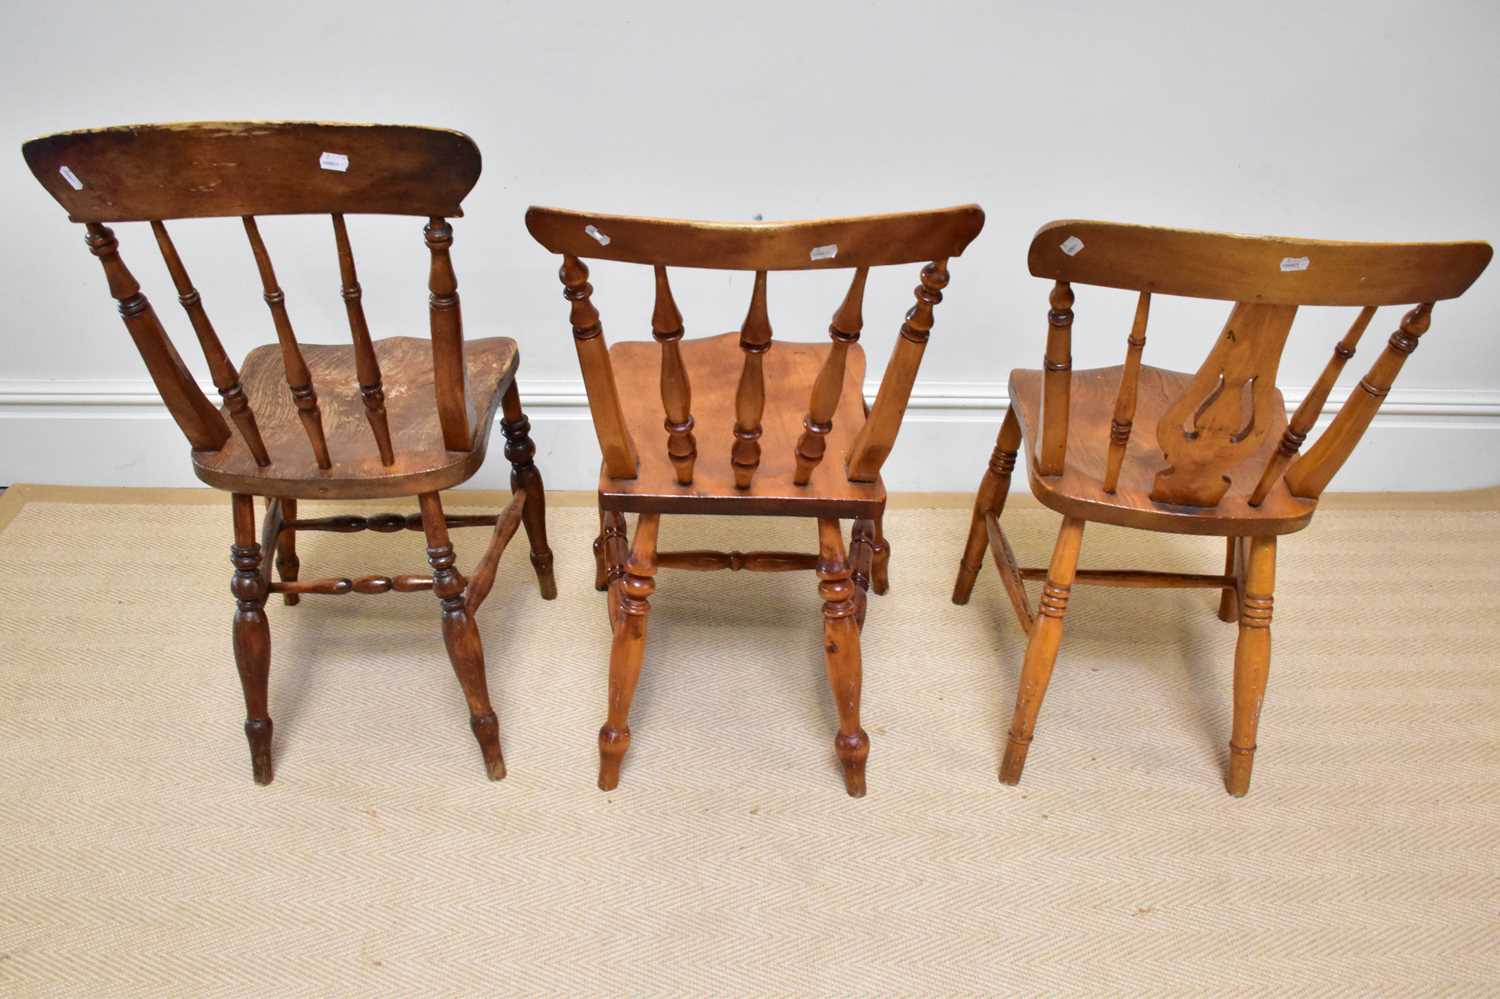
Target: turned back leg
x=524, y=477
x=994, y=487
x=1252, y=661
x=287, y=563
x=841, y=652
x=1229, y=597
x=861, y=563
x=880, y=569
x=461, y=635
x=252, y=634
x=631, y=592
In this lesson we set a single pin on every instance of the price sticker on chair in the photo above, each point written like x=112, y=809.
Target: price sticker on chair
x=337, y=162
x=71, y=177
x=826, y=252
x=1295, y=263
x=592, y=232
x=1071, y=246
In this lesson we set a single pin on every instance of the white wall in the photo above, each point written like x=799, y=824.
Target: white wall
x=1351, y=120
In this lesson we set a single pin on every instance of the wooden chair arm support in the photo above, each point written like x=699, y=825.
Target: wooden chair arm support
x=1309, y=474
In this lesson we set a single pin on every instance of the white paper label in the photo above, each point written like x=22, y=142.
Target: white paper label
x=1071, y=245
x=596, y=235
x=71, y=178
x=1295, y=263
x=334, y=161
x=824, y=252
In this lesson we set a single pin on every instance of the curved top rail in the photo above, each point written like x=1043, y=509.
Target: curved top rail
x=1272, y=270
x=202, y=169
x=859, y=241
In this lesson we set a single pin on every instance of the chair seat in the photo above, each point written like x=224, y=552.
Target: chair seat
x=422, y=463
x=1079, y=490
x=713, y=366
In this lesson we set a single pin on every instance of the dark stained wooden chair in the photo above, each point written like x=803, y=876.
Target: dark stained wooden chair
x=766, y=415
x=403, y=416
x=1210, y=453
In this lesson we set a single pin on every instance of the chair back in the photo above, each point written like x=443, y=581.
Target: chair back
x=157, y=173
x=855, y=244
x=1222, y=418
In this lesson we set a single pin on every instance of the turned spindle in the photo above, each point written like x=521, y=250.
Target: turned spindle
x=1312, y=404
x=366, y=367
x=445, y=319
x=200, y=421
x=843, y=330
x=298, y=378
x=750, y=395
x=1057, y=381
x=1309, y=475
x=676, y=391
x=620, y=460
x=1124, y=416
x=872, y=445
x=226, y=379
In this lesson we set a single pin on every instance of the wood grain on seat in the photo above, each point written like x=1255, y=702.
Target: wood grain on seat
x=422, y=463
x=1079, y=490
x=713, y=365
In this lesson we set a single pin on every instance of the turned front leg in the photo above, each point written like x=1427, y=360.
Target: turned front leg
x=1041, y=649
x=524, y=477
x=1252, y=661
x=461, y=635
x=252, y=634
x=989, y=501
x=633, y=590
x=841, y=653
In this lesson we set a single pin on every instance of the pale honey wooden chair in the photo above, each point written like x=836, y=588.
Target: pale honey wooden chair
x=766, y=415
x=1210, y=453
x=393, y=417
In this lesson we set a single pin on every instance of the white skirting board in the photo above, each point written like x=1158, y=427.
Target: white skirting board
x=117, y=433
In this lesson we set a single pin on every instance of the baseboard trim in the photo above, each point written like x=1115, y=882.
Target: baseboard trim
x=118, y=433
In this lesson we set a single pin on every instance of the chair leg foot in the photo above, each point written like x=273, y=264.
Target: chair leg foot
x=486, y=729
x=613, y=743
x=1014, y=761
x=1237, y=780
x=853, y=749
x=258, y=734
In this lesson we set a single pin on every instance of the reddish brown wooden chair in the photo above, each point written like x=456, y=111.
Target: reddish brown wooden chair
x=382, y=418
x=765, y=413
x=1207, y=453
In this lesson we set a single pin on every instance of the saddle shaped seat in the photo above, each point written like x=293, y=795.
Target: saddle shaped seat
x=713, y=365
x=1079, y=490
x=422, y=463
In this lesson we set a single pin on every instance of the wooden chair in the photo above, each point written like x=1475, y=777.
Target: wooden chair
x=1210, y=453
x=767, y=418
x=380, y=418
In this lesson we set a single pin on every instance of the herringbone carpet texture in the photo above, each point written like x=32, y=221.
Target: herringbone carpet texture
x=136, y=856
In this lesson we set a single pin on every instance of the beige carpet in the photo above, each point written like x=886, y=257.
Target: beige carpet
x=136, y=856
